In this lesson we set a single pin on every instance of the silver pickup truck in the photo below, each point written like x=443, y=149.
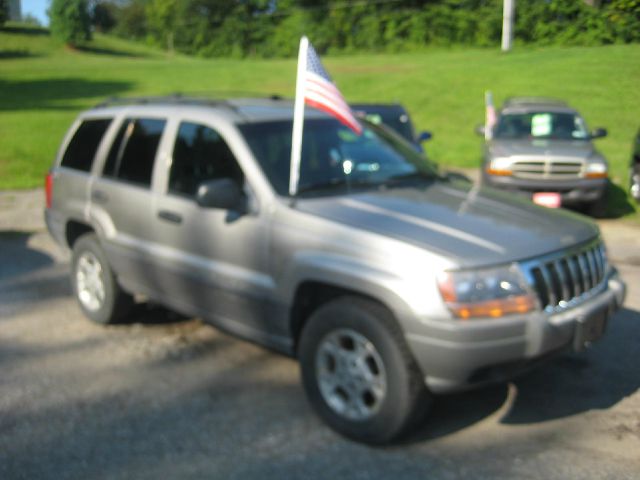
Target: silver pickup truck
x=389, y=282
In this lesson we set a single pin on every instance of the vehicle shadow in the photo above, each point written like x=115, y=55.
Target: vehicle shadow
x=593, y=380
x=570, y=384
x=148, y=313
x=16, y=257
x=616, y=204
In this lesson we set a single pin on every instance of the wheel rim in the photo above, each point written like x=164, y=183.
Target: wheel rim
x=351, y=375
x=90, y=281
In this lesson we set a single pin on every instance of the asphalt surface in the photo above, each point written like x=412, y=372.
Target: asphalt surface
x=168, y=397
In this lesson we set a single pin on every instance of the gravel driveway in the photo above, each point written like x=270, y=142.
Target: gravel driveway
x=169, y=397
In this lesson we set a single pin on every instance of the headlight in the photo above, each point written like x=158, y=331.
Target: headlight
x=596, y=168
x=492, y=292
x=499, y=166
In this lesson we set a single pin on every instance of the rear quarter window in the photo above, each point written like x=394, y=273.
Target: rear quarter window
x=84, y=144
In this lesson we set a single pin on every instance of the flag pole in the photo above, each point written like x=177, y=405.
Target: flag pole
x=298, y=118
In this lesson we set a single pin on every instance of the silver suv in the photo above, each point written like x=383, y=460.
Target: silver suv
x=387, y=281
x=543, y=146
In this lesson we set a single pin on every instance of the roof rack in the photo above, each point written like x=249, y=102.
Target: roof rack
x=174, y=99
x=515, y=101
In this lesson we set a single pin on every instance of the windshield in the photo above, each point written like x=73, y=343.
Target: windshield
x=549, y=125
x=334, y=159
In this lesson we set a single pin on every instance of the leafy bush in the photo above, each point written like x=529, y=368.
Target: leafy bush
x=70, y=21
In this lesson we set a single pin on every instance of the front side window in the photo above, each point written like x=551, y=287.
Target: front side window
x=134, y=150
x=200, y=154
x=334, y=159
x=547, y=125
x=83, y=146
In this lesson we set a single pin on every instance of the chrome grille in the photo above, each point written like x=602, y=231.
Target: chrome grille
x=561, y=281
x=550, y=168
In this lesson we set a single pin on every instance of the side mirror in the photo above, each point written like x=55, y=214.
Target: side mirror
x=480, y=130
x=424, y=136
x=223, y=193
x=599, y=133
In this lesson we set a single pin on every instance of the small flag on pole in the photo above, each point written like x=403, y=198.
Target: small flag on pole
x=320, y=92
x=314, y=88
x=490, y=115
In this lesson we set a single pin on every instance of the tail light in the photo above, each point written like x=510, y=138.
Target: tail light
x=48, y=189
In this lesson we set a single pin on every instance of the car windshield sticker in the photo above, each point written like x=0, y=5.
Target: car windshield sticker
x=541, y=125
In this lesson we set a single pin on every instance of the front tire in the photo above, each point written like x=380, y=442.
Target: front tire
x=94, y=284
x=358, y=372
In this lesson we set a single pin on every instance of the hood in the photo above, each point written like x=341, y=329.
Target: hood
x=541, y=147
x=469, y=225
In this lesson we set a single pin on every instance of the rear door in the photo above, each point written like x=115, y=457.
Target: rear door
x=122, y=201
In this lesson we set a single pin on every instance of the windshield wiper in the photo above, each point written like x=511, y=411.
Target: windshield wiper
x=335, y=183
x=319, y=186
x=409, y=177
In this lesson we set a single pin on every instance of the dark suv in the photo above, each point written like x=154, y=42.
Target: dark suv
x=541, y=146
x=396, y=117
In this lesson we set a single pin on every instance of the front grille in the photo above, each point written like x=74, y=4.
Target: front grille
x=564, y=280
x=548, y=169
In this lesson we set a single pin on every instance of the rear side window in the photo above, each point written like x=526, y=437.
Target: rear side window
x=134, y=150
x=200, y=154
x=84, y=144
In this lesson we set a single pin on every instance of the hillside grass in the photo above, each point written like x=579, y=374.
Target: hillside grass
x=44, y=85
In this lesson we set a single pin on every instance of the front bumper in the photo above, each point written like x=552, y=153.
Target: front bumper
x=465, y=354
x=572, y=192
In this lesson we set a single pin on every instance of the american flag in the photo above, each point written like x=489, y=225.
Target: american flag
x=490, y=115
x=320, y=92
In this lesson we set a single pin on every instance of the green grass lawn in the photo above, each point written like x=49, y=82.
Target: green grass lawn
x=43, y=86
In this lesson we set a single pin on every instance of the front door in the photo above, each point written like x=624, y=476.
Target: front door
x=215, y=259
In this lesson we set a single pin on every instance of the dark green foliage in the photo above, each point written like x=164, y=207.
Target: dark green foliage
x=624, y=19
x=70, y=21
x=4, y=11
x=131, y=21
x=268, y=28
x=103, y=16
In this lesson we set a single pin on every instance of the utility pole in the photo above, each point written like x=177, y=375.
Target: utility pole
x=508, y=12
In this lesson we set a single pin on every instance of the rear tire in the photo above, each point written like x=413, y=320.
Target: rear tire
x=358, y=372
x=94, y=285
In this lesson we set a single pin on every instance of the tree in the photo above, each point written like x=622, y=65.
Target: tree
x=131, y=20
x=4, y=11
x=163, y=17
x=103, y=16
x=70, y=21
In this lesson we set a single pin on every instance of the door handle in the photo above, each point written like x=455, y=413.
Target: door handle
x=170, y=216
x=99, y=196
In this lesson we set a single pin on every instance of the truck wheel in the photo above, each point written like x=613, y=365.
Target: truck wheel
x=358, y=372
x=94, y=285
x=598, y=208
